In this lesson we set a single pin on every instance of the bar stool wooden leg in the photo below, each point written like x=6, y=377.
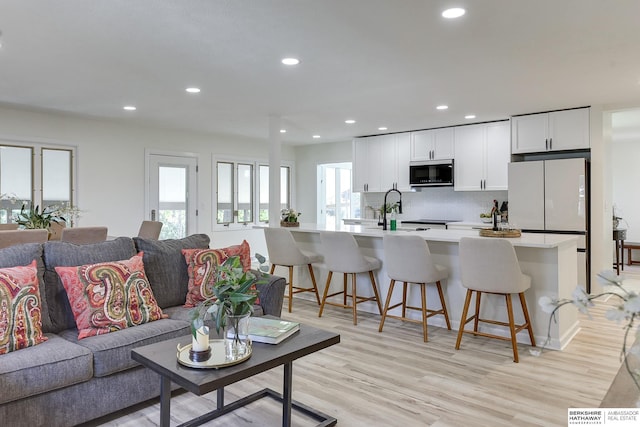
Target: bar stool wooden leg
x=324, y=294
x=273, y=267
x=404, y=299
x=423, y=296
x=463, y=320
x=523, y=302
x=512, y=328
x=354, y=302
x=375, y=291
x=386, y=304
x=344, y=287
x=290, y=287
x=477, y=318
x=313, y=281
x=444, y=306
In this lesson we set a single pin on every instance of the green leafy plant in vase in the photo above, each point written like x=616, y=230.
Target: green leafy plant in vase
x=234, y=296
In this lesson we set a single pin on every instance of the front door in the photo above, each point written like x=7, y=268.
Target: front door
x=172, y=195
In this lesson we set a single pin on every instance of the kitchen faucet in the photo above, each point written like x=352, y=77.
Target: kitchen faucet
x=384, y=207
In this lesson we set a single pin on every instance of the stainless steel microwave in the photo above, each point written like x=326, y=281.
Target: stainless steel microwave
x=431, y=174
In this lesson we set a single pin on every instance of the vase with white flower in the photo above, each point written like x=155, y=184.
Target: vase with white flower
x=289, y=218
x=626, y=310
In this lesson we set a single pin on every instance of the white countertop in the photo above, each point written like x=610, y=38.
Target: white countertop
x=533, y=240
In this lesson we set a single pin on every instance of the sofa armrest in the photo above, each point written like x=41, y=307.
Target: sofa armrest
x=271, y=293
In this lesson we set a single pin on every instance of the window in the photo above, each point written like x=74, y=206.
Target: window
x=336, y=200
x=236, y=195
x=234, y=192
x=33, y=173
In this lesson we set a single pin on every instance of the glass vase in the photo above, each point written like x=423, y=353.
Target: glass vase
x=236, y=335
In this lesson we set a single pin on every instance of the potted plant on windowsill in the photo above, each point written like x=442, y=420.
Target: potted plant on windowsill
x=289, y=218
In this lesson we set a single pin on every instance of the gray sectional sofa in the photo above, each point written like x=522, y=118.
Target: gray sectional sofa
x=65, y=381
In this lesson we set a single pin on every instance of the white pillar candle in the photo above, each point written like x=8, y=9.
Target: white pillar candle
x=201, y=341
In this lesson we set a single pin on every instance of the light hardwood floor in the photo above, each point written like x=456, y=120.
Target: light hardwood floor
x=393, y=378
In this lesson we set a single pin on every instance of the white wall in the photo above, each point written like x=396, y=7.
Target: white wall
x=110, y=173
x=308, y=157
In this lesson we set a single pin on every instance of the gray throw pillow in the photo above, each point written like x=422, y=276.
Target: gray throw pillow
x=166, y=267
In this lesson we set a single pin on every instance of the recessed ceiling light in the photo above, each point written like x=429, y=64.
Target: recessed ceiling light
x=316, y=136
x=350, y=121
x=470, y=116
x=129, y=108
x=290, y=61
x=382, y=128
x=193, y=90
x=454, y=12
x=283, y=131
x=442, y=107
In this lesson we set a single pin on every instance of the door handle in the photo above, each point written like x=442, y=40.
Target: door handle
x=153, y=214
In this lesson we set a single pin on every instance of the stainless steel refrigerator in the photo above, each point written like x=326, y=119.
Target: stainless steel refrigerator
x=552, y=196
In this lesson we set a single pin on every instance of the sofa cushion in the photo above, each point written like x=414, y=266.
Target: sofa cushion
x=109, y=296
x=201, y=267
x=112, y=352
x=23, y=255
x=165, y=266
x=20, y=313
x=54, y=364
x=59, y=254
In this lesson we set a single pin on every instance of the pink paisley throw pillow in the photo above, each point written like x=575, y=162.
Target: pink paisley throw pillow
x=20, y=314
x=109, y=296
x=201, y=265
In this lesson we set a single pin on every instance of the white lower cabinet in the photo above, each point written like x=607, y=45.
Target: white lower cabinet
x=482, y=156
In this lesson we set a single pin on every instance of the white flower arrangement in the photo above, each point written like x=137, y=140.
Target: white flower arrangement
x=289, y=215
x=628, y=310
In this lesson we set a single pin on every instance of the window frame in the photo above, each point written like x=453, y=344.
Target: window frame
x=255, y=185
x=37, y=158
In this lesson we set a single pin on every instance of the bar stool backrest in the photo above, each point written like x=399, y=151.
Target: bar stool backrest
x=408, y=259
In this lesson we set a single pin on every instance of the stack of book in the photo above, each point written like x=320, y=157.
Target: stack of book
x=271, y=331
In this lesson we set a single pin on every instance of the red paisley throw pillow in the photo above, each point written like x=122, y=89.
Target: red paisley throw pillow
x=201, y=264
x=109, y=296
x=20, y=314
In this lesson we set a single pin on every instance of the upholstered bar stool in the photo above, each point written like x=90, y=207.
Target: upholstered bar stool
x=342, y=254
x=284, y=251
x=490, y=265
x=408, y=260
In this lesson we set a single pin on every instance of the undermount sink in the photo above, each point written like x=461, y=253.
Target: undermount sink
x=399, y=228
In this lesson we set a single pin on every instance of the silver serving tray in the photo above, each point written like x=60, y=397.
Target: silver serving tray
x=217, y=360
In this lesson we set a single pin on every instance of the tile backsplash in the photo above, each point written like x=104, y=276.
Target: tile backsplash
x=436, y=203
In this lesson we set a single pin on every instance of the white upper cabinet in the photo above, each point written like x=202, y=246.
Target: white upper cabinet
x=482, y=157
x=553, y=131
x=433, y=144
x=381, y=163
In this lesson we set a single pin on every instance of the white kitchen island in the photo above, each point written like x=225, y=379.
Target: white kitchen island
x=549, y=259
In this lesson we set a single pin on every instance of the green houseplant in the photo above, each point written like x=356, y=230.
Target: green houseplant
x=234, y=295
x=33, y=217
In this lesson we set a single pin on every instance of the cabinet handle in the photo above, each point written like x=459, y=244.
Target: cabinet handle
x=550, y=143
x=546, y=144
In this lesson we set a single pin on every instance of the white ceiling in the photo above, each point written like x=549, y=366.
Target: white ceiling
x=382, y=63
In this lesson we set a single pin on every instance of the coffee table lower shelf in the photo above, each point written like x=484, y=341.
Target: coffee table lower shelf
x=324, y=419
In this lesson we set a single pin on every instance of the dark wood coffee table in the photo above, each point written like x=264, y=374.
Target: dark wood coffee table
x=161, y=358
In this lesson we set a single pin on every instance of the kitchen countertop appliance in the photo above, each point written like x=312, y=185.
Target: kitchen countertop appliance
x=552, y=196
